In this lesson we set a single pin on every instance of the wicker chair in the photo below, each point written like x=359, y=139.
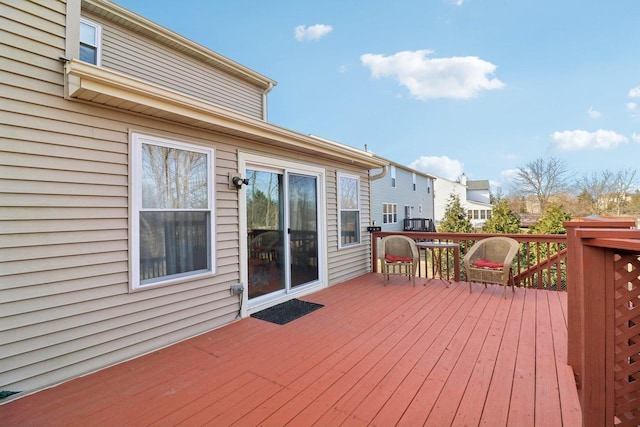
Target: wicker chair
x=399, y=256
x=489, y=261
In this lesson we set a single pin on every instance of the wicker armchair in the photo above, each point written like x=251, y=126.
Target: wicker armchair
x=489, y=261
x=399, y=256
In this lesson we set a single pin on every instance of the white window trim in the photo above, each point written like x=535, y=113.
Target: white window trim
x=98, y=41
x=135, y=172
x=393, y=176
x=393, y=215
x=357, y=178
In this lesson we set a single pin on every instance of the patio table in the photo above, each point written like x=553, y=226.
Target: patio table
x=436, y=257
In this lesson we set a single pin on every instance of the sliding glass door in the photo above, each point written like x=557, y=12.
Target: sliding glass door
x=303, y=229
x=282, y=230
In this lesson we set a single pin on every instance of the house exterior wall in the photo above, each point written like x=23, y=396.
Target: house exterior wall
x=67, y=308
x=480, y=196
x=421, y=200
x=471, y=201
x=128, y=52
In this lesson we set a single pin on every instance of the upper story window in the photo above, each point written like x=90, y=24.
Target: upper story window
x=172, y=210
x=349, y=208
x=90, y=36
x=414, y=182
x=393, y=176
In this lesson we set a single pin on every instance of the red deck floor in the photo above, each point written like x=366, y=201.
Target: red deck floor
x=373, y=355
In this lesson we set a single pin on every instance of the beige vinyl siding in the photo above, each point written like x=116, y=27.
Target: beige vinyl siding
x=351, y=261
x=66, y=309
x=64, y=214
x=127, y=52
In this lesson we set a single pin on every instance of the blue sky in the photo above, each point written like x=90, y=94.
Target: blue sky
x=443, y=86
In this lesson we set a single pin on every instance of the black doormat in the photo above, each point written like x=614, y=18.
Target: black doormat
x=286, y=311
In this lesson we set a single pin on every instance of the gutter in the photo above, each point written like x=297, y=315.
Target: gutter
x=382, y=174
x=264, y=100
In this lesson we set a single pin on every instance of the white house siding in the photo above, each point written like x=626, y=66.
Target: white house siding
x=444, y=188
x=66, y=305
x=480, y=196
x=127, y=52
x=402, y=194
x=469, y=199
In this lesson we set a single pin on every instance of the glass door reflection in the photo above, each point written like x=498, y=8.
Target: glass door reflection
x=303, y=228
x=265, y=229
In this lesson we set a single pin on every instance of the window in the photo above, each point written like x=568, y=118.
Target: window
x=414, y=182
x=389, y=213
x=90, y=34
x=172, y=210
x=393, y=176
x=349, y=208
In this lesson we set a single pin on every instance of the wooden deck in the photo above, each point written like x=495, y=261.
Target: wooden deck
x=373, y=355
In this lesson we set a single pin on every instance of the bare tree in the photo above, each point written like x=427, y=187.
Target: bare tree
x=542, y=178
x=595, y=189
x=623, y=182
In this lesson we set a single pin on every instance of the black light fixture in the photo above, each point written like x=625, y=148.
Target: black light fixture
x=238, y=181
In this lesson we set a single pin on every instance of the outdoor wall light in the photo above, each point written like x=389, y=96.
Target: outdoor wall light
x=239, y=181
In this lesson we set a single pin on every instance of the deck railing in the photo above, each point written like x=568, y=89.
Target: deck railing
x=604, y=320
x=598, y=263
x=541, y=262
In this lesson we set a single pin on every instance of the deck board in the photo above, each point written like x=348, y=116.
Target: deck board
x=374, y=355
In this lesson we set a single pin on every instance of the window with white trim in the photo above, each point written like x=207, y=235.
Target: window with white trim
x=414, y=182
x=90, y=36
x=172, y=210
x=349, y=208
x=393, y=176
x=389, y=213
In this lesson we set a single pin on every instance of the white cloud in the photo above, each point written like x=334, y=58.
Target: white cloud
x=457, y=2
x=439, y=166
x=429, y=78
x=636, y=137
x=508, y=175
x=506, y=181
x=593, y=113
x=634, y=93
x=581, y=139
x=313, y=32
x=634, y=109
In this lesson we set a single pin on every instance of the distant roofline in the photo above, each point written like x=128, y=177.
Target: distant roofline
x=480, y=184
x=396, y=164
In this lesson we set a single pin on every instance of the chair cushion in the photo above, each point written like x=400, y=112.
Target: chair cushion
x=483, y=263
x=392, y=258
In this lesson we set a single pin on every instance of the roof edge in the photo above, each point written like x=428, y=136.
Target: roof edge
x=167, y=36
x=84, y=78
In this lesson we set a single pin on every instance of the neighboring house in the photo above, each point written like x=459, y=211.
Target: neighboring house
x=145, y=199
x=399, y=193
x=474, y=197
